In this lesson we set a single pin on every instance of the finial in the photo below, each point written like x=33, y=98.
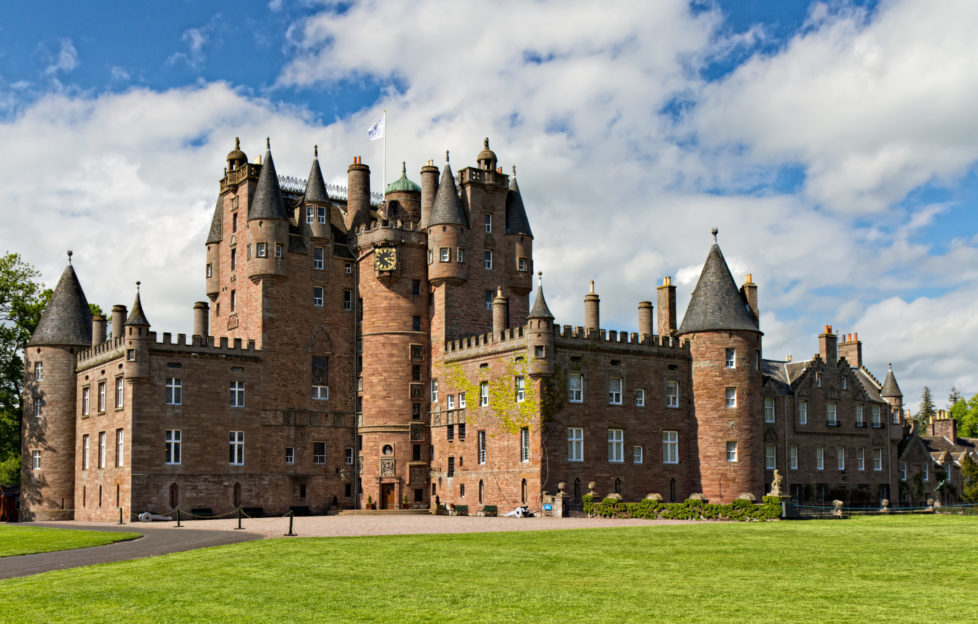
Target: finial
x=237, y=143
x=403, y=168
x=499, y=291
x=714, y=231
x=446, y=155
x=268, y=143
x=592, y=286
x=70, y=252
x=485, y=143
x=137, y=285
x=891, y=365
x=540, y=278
x=315, y=151
x=514, y=171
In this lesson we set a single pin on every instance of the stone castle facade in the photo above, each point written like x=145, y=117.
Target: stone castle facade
x=381, y=351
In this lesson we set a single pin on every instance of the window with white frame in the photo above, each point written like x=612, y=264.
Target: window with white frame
x=614, y=390
x=575, y=387
x=769, y=410
x=289, y=455
x=926, y=472
x=903, y=471
x=831, y=416
x=237, y=389
x=459, y=255
x=174, y=391
x=85, y=442
x=731, y=451
x=819, y=458
x=876, y=416
x=860, y=421
x=670, y=447
x=101, y=450
x=895, y=414
x=347, y=299
x=840, y=458
x=770, y=456
x=521, y=264
x=818, y=379
x=261, y=250
x=38, y=371
x=616, y=446
x=120, y=392
x=461, y=400
x=793, y=457
x=730, y=358
x=731, y=394
x=481, y=438
x=173, y=439
x=101, y=396
x=672, y=394
x=38, y=405
x=488, y=222
x=319, y=453
x=803, y=413
x=575, y=444
x=120, y=445
x=520, y=388
x=236, y=448
x=278, y=250
x=348, y=455
x=861, y=459
x=487, y=256
x=434, y=390
x=310, y=214
x=445, y=254
x=318, y=258
x=348, y=268
x=524, y=444
x=321, y=213
x=86, y=401
x=451, y=401
x=877, y=459
x=637, y=454
x=320, y=378
x=640, y=398
x=35, y=460
x=483, y=393
x=317, y=296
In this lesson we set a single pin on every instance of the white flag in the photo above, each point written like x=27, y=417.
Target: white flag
x=376, y=131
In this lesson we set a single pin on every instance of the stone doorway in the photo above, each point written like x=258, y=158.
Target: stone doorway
x=388, y=499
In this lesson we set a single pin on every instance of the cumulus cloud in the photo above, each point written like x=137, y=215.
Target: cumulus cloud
x=65, y=60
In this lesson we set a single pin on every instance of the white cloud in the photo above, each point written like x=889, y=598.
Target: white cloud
x=65, y=60
x=119, y=73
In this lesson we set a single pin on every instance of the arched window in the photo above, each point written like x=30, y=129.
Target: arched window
x=523, y=492
x=481, y=491
x=174, y=496
x=237, y=495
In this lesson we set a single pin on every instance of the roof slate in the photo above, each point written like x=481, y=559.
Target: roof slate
x=716, y=303
x=217, y=223
x=890, y=387
x=136, y=316
x=447, y=210
x=540, y=308
x=516, y=221
x=315, y=185
x=67, y=319
x=267, y=203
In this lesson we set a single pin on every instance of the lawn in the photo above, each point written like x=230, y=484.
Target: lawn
x=24, y=540
x=870, y=569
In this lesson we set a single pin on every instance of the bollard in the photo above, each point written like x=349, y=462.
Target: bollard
x=120, y=516
x=239, y=520
x=178, y=517
x=290, y=533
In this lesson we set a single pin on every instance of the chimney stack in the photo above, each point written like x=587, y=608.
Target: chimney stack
x=98, y=329
x=828, y=346
x=357, y=194
x=644, y=320
x=591, y=314
x=118, y=320
x=200, y=321
x=852, y=350
x=500, y=313
x=667, y=307
x=749, y=292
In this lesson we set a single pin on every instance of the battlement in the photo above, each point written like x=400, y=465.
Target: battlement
x=484, y=344
x=114, y=348
x=613, y=337
x=239, y=175
x=470, y=174
x=108, y=350
x=388, y=224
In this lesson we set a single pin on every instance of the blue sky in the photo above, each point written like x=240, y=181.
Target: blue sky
x=833, y=143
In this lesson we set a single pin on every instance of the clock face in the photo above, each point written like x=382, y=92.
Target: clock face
x=385, y=258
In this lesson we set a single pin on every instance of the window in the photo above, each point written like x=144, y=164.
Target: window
x=461, y=400
x=731, y=451
x=769, y=410
x=450, y=432
x=860, y=422
x=234, y=259
x=347, y=299
x=101, y=450
x=310, y=214
x=520, y=388
x=731, y=397
x=234, y=301
x=845, y=382
x=38, y=371
x=524, y=444
x=637, y=452
x=575, y=444
x=415, y=452
x=451, y=401
x=261, y=250
x=770, y=456
x=445, y=254
x=731, y=358
x=318, y=261
x=521, y=265
x=489, y=300
x=877, y=459
x=415, y=323
x=234, y=224
x=840, y=458
x=174, y=391
x=348, y=268
x=85, y=452
x=488, y=222
x=926, y=472
x=616, y=446
x=119, y=392
x=119, y=447
x=415, y=411
x=614, y=390
x=320, y=378
x=210, y=270
x=793, y=457
x=575, y=388
x=903, y=471
x=237, y=394
x=415, y=287
x=481, y=437
x=861, y=459
x=818, y=380
x=172, y=441
x=803, y=413
x=831, y=417
x=640, y=398
x=670, y=447
x=85, y=402
x=461, y=431
x=131, y=353
x=483, y=393
x=819, y=458
x=319, y=452
x=451, y=467
x=101, y=396
x=434, y=390
x=290, y=455
x=317, y=296
x=321, y=213
x=896, y=417
x=488, y=260
x=36, y=460
x=348, y=455
x=38, y=406
x=278, y=250
x=460, y=255
x=672, y=394
x=236, y=448
x=876, y=417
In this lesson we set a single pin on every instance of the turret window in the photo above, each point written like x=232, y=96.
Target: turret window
x=321, y=212
x=521, y=264
x=278, y=250
x=174, y=391
x=731, y=396
x=731, y=358
x=261, y=250
x=310, y=213
x=445, y=254
x=210, y=271
x=317, y=296
x=640, y=398
x=488, y=260
x=38, y=371
x=460, y=255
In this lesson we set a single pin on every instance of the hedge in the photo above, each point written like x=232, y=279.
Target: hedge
x=742, y=510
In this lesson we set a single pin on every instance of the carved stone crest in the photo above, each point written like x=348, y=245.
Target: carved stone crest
x=387, y=467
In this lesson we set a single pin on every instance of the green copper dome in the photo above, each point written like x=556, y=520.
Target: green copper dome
x=402, y=184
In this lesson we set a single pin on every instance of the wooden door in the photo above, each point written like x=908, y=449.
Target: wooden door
x=387, y=498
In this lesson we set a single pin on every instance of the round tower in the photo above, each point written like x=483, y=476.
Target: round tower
x=137, y=366
x=406, y=195
x=446, y=229
x=316, y=204
x=50, y=405
x=268, y=226
x=540, y=336
x=519, y=239
x=725, y=347
x=429, y=187
x=891, y=392
x=212, y=273
x=357, y=194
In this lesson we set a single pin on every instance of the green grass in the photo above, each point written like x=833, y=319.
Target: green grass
x=23, y=540
x=868, y=569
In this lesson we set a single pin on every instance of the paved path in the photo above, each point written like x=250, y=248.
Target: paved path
x=155, y=540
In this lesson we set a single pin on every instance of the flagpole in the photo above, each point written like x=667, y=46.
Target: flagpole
x=384, y=187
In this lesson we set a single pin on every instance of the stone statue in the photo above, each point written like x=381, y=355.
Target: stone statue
x=776, y=484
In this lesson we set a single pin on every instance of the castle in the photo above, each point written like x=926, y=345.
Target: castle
x=358, y=351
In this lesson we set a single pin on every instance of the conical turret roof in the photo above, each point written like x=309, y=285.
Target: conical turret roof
x=217, y=223
x=516, y=221
x=67, y=319
x=316, y=186
x=447, y=210
x=890, y=387
x=540, y=308
x=136, y=316
x=716, y=303
x=267, y=203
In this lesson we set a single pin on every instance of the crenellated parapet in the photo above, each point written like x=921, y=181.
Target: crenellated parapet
x=490, y=343
x=615, y=338
x=184, y=344
x=235, y=177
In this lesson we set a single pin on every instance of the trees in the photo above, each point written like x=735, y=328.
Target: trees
x=969, y=471
x=926, y=411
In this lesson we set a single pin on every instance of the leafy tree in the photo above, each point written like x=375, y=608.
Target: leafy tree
x=953, y=397
x=969, y=470
x=926, y=411
x=965, y=414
